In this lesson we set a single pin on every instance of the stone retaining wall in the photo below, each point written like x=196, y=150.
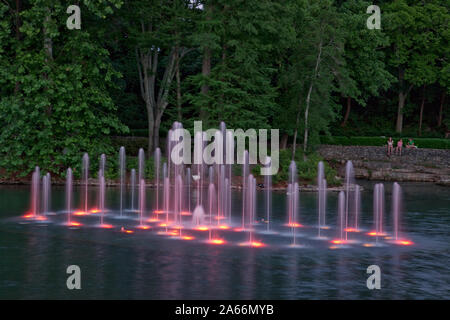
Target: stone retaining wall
x=420, y=165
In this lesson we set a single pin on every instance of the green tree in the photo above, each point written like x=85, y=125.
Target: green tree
x=243, y=37
x=365, y=61
x=317, y=67
x=55, y=82
x=416, y=29
x=159, y=35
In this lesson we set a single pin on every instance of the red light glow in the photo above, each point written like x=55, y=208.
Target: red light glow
x=185, y=213
x=74, y=224
x=374, y=234
x=95, y=210
x=158, y=211
x=188, y=238
x=224, y=227
x=143, y=227
x=106, y=226
x=152, y=220
x=28, y=216
x=294, y=225
x=352, y=230
x=202, y=228
x=217, y=241
x=126, y=231
x=404, y=242
x=338, y=241
x=257, y=244
x=80, y=213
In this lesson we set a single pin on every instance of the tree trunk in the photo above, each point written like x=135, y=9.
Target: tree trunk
x=441, y=109
x=156, y=133
x=206, y=63
x=402, y=95
x=308, y=101
x=294, y=144
x=151, y=128
x=178, y=79
x=347, y=112
x=305, y=139
x=401, y=104
x=206, y=68
x=421, y=112
x=48, y=44
x=206, y=71
x=283, y=142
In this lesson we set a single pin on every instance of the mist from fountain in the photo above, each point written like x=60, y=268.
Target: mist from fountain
x=378, y=209
x=141, y=164
x=245, y=173
x=357, y=208
x=141, y=202
x=101, y=196
x=211, y=205
x=293, y=206
x=157, y=164
x=69, y=182
x=178, y=200
x=46, y=193
x=166, y=196
x=322, y=197
x=35, y=192
x=174, y=186
x=349, y=193
x=341, y=216
x=198, y=162
x=187, y=204
x=251, y=205
x=122, y=176
x=396, y=209
x=85, y=180
x=102, y=163
x=292, y=197
x=268, y=195
x=132, y=187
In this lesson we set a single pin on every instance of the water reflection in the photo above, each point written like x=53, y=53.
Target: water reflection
x=115, y=265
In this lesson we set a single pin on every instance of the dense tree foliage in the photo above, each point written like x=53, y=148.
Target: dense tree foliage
x=307, y=67
x=55, y=102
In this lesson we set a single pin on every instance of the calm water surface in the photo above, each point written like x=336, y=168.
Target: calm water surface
x=143, y=265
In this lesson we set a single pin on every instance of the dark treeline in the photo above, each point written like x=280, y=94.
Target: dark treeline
x=306, y=67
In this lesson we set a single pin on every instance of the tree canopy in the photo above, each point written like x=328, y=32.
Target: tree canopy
x=307, y=67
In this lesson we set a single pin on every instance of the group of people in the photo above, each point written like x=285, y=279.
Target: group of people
x=398, y=149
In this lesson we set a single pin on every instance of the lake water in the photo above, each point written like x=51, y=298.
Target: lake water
x=145, y=265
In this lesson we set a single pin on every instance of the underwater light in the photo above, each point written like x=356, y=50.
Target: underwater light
x=217, y=241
